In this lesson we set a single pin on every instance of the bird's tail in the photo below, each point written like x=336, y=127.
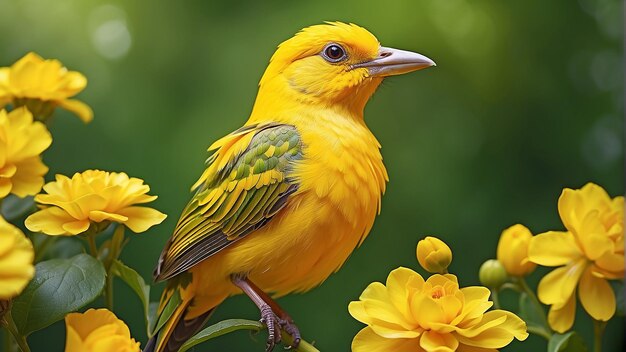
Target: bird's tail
x=172, y=328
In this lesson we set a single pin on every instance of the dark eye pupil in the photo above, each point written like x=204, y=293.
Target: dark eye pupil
x=334, y=52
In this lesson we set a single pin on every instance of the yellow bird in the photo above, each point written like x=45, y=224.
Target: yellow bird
x=286, y=198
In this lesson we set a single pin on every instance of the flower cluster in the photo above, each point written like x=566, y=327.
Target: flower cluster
x=588, y=254
x=93, y=197
x=408, y=313
x=42, y=85
x=30, y=90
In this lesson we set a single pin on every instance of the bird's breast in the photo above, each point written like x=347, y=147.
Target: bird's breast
x=342, y=169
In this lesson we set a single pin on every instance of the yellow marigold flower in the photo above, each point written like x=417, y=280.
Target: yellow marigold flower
x=588, y=254
x=21, y=143
x=93, y=196
x=16, y=260
x=513, y=250
x=410, y=314
x=98, y=330
x=434, y=255
x=42, y=85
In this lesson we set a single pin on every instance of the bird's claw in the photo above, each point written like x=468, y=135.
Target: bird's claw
x=273, y=325
x=291, y=328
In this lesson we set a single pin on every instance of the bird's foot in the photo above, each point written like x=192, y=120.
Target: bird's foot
x=291, y=328
x=273, y=324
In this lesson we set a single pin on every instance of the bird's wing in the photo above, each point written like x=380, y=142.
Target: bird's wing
x=245, y=184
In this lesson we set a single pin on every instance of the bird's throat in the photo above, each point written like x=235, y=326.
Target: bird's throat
x=280, y=96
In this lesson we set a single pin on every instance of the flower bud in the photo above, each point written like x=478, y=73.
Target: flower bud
x=434, y=255
x=513, y=250
x=492, y=274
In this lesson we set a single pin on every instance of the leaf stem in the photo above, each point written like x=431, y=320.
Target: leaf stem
x=598, y=332
x=9, y=324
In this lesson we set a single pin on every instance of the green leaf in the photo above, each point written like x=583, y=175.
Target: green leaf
x=569, y=342
x=60, y=286
x=221, y=328
x=153, y=307
x=14, y=207
x=136, y=282
x=530, y=312
x=168, y=310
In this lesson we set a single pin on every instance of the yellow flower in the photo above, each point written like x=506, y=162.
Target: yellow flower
x=16, y=260
x=588, y=254
x=42, y=85
x=21, y=143
x=98, y=330
x=410, y=314
x=513, y=250
x=434, y=255
x=92, y=197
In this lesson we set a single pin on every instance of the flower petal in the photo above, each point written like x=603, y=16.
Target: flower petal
x=99, y=216
x=561, y=316
x=28, y=179
x=397, y=288
x=76, y=227
x=375, y=310
x=5, y=186
x=498, y=335
x=432, y=341
x=558, y=285
x=596, y=296
x=366, y=340
x=82, y=110
x=49, y=221
x=426, y=311
x=141, y=218
x=592, y=236
x=553, y=248
x=466, y=348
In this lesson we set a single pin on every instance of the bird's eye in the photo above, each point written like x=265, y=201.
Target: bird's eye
x=334, y=53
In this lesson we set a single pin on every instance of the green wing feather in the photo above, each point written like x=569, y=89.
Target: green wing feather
x=245, y=184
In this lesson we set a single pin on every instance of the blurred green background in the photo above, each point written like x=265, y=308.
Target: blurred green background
x=527, y=99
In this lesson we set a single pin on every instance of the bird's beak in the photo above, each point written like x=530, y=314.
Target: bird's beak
x=391, y=62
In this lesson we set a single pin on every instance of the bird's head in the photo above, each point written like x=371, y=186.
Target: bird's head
x=332, y=64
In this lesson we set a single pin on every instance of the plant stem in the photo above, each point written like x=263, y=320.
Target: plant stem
x=495, y=298
x=93, y=249
x=7, y=341
x=544, y=321
x=302, y=347
x=108, y=290
x=598, y=331
x=306, y=347
x=7, y=321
